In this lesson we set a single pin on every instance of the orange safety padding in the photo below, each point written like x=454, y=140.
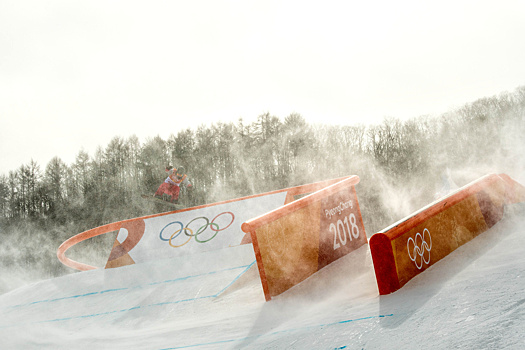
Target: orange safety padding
x=327, y=253
x=329, y=187
x=515, y=192
x=290, y=258
x=410, y=246
x=294, y=241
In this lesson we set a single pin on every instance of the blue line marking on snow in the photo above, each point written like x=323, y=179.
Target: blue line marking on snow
x=235, y=279
x=277, y=332
x=113, y=290
x=214, y=295
x=245, y=267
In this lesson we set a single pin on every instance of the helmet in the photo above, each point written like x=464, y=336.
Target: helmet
x=180, y=170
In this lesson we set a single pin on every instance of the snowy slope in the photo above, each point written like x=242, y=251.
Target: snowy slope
x=473, y=299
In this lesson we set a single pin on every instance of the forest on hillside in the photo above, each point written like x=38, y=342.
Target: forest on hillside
x=400, y=163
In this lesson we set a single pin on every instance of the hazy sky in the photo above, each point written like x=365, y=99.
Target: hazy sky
x=74, y=74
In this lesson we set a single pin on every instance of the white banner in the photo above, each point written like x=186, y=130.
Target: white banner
x=202, y=229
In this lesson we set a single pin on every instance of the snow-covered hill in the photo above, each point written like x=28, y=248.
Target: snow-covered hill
x=473, y=299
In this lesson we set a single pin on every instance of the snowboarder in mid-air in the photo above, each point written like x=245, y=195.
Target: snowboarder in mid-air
x=170, y=188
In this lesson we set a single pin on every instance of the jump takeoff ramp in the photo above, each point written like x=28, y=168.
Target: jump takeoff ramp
x=410, y=246
x=189, y=231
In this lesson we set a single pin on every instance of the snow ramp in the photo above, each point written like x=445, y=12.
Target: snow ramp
x=215, y=299
x=126, y=296
x=471, y=300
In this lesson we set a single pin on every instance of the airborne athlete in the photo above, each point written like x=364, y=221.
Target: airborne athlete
x=171, y=186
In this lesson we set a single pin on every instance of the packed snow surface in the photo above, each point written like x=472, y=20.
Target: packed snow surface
x=472, y=299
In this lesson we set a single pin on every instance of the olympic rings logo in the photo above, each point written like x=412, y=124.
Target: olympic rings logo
x=421, y=245
x=189, y=232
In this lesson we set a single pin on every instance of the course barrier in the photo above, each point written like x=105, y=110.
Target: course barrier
x=410, y=246
x=187, y=231
x=296, y=240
